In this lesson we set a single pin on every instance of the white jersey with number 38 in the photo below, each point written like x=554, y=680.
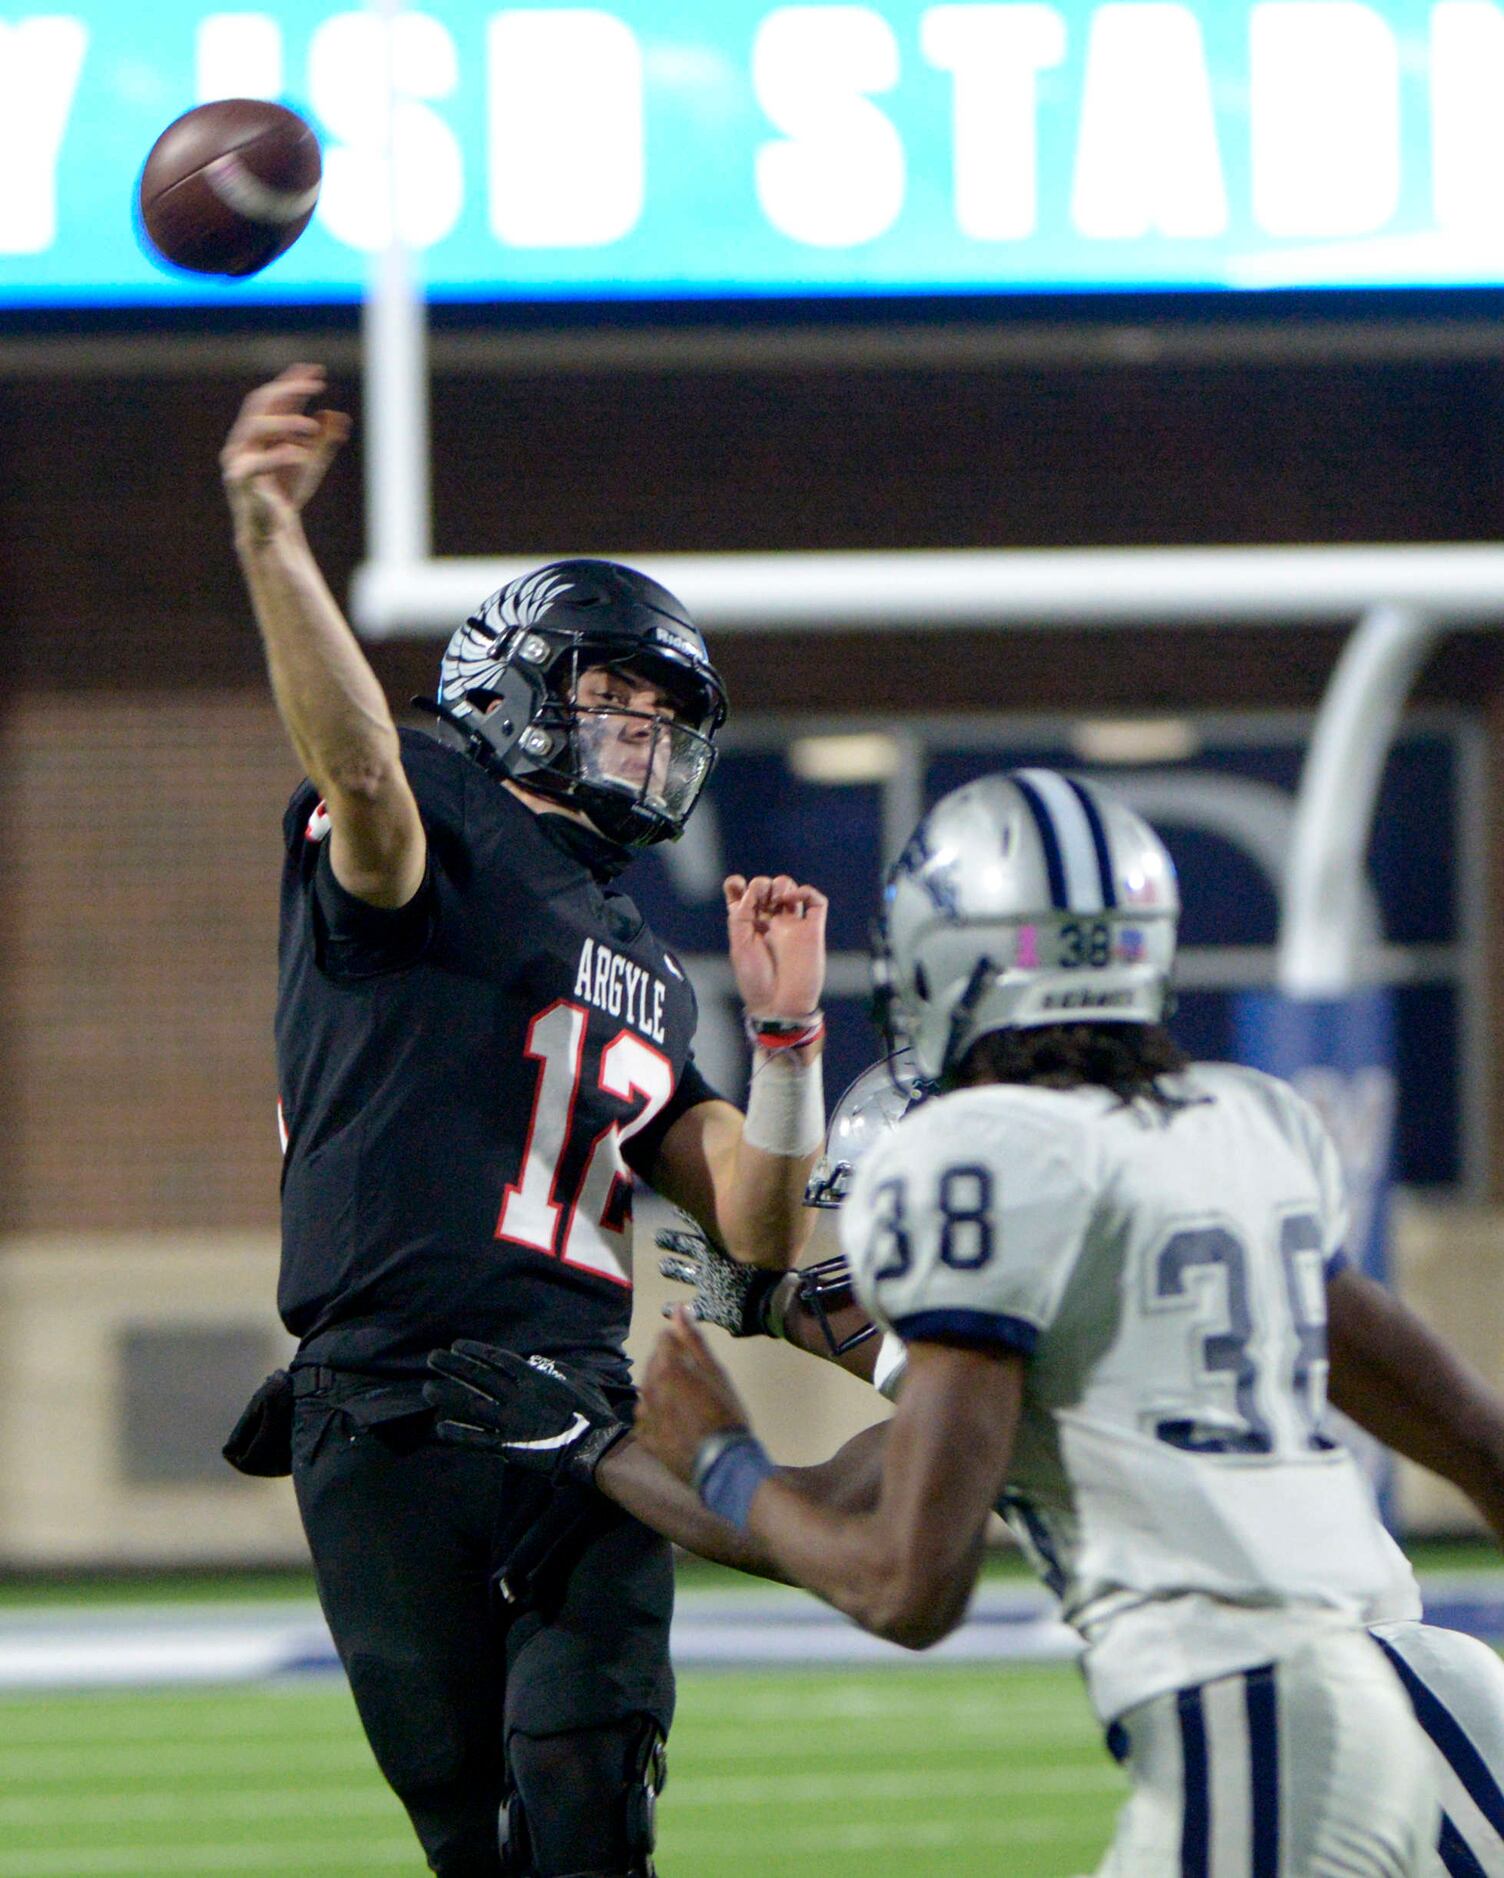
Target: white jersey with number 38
x=1163, y=1271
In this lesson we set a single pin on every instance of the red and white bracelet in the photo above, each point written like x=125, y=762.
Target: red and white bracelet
x=785, y=1033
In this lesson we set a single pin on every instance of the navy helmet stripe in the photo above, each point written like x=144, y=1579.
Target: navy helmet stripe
x=1054, y=861
x=1196, y=1818
x=1081, y=851
x=1263, y=1769
x=1452, y=1740
x=1098, y=839
x=1457, y=1856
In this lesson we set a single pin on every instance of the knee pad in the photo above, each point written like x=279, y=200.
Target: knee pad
x=634, y=1748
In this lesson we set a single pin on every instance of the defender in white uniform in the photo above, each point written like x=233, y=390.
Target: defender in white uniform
x=1110, y=1293
x=1455, y=1682
x=1161, y=1268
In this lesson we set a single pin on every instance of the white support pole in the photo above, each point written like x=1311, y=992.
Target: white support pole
x=394, y=362
x=1323, y=928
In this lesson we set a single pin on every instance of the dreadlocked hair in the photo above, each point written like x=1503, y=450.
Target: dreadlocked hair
x=1127, y=1059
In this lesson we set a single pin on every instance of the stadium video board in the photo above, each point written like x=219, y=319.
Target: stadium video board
x=683, y=150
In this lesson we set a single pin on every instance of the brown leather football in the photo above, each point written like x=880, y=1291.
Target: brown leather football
x=230, y=186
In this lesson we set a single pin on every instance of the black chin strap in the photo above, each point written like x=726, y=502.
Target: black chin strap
x=982, y=974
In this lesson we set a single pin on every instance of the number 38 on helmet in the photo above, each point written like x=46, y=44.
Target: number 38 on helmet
x=1021, y=900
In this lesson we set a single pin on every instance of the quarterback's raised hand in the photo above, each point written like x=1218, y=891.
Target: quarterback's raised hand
x=528, y=1410
x=776, y=932
x=330, y=701
x=277, y=451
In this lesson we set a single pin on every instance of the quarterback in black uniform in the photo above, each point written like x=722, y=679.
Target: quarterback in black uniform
x=479, y=1043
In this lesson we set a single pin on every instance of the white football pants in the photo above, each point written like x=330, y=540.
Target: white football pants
x=1309, y=1767
x=1456, y=1687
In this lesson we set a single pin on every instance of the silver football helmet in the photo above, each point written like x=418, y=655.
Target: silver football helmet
x=1023, y=899
x=871, y=1108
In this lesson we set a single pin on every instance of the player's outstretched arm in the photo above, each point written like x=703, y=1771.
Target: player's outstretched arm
x=905, y=1569
x=1395, y=1377
x=742, y=1176
x=641, y=1485
x=541, y=1415
x=333, y=707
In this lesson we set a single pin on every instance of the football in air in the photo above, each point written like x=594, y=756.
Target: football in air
x=229, y=186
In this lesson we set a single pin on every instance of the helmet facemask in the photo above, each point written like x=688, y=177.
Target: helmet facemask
x=869, y=1110
x=633, y=770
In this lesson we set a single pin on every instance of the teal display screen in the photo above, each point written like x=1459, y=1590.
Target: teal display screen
x=690, y=149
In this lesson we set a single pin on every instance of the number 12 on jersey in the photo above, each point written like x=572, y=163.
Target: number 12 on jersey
x=590, y=1227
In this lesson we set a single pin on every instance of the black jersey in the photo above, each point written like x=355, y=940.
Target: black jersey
x=466, y=1085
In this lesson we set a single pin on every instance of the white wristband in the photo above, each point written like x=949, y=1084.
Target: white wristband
x=785, y=1105
x=892, y=1361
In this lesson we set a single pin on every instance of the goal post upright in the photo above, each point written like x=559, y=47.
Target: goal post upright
x=394, y=363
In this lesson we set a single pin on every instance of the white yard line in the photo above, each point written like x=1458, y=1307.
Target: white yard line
x=367, y=1799
x=690, y=1792
x=112, y=1761
x=140, y=1646
x=864, y=1836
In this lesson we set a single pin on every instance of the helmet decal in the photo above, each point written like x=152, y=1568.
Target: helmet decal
x=473, y=660
x=933, y=869
x=523, y=602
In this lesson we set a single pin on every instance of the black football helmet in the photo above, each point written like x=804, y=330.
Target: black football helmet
x=509, y=682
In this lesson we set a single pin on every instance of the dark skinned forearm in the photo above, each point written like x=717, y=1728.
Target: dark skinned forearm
x=905, y=1569
x=1396, y=1378
x=857, y=1563
x=644, y=1487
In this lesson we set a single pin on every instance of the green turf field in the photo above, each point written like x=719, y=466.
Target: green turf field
x=920, y=1770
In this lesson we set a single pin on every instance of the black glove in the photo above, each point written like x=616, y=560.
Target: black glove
x=528, y=1410
x=734, y=1297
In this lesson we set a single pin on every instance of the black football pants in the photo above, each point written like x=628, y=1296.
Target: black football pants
x=459, y=1695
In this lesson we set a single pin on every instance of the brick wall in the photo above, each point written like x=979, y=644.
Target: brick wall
x=142, y=847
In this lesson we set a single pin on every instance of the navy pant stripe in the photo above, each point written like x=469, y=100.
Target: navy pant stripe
x=1263, y=1769
x=1196, y=1823
x=1451, y=1738
x=1455, y=1854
